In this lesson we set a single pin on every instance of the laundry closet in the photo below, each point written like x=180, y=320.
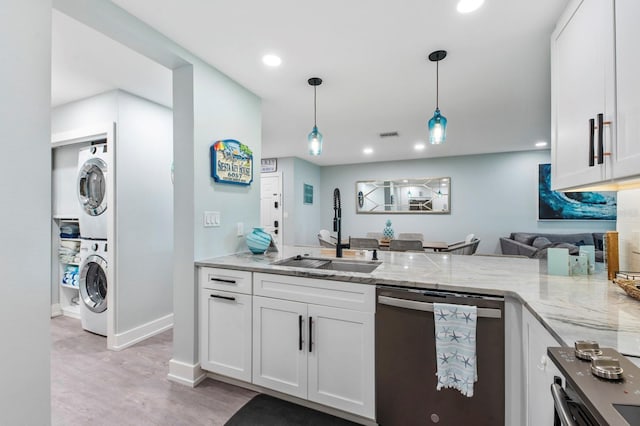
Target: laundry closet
x=112, y=224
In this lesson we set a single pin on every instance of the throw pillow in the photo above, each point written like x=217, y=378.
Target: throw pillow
x=541, y=242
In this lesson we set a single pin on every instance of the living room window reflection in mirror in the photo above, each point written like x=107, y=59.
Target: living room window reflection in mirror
x=410, y=195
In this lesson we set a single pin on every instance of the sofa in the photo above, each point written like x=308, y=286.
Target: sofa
x=535, y=245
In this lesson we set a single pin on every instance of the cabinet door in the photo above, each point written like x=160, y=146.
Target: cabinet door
x=341, y=360
x=582, y=72
x=540, y=371
x=279, y=345
x=627, y=153
x=225, y=330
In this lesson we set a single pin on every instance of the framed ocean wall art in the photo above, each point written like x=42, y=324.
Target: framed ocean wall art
x=556, y=205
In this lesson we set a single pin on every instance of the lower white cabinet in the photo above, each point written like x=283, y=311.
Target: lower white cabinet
x=225, y=330
x=539, y=371
x=313, y=351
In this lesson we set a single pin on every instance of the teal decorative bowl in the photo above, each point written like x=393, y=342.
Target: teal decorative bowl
x=258, y=241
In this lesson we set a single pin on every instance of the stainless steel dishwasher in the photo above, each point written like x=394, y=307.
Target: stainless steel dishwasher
x=406, y=361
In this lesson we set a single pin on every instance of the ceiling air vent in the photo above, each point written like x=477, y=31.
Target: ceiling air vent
x=388, y=134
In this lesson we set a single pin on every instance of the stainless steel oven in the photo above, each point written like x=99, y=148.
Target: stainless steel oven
x=601, y=390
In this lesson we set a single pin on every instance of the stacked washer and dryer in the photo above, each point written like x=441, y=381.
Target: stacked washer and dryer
x=91, y=187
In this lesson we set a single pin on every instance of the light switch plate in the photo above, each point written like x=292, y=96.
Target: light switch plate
x=211, y=219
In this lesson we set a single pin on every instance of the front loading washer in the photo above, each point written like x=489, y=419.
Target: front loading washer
x=92, y=191
x=93, y=286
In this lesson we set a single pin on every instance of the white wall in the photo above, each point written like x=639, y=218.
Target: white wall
x=25, y=215
x=628, y=227
x=492, y=195
x=300, y=220
x=144, y=212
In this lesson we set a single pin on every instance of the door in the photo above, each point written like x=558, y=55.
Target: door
x=627, y=155
x=93, y=283
x=279, y=345
x=341, y=362
x=582, y=53
x=92, y=185
x=271, y=205
x=225, y=324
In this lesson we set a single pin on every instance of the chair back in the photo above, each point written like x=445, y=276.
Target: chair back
x=411, y=236
x=405, y=245
x=469, y=238
x=325, y=239
x=463, y=247
x=364, y=243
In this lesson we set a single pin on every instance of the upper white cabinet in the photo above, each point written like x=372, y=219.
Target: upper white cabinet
x=583, y=94
x=627, y=150
x=595, y=86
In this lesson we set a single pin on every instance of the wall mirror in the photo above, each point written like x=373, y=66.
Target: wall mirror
x=415, y=195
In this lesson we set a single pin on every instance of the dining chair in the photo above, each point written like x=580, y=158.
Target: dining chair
x=405, y=245
x=411, y=236
x=463, y=247
x=364, y=243
x=326, y=239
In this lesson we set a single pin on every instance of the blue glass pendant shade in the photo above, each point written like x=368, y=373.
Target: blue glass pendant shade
x=437, y=128
x=315, y=141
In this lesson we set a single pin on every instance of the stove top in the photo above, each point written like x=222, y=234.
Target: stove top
x=611, y=402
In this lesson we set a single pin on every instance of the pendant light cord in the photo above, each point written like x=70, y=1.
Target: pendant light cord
x=314, y=106
x=437, y=83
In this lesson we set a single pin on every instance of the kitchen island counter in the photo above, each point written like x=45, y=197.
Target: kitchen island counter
x=571, y=308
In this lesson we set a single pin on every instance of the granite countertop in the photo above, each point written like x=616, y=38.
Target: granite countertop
x=572, y=308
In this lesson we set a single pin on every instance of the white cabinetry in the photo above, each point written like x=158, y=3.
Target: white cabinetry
x=595, y=88
x=583, y=90
x=314, y=339
x=225, y=322
x=539, y=371
x=627, y=152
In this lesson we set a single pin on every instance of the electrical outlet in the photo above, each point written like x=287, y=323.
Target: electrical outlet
x=240, y=229
x=211, y=219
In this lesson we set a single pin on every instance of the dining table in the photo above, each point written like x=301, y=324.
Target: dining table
x=427, y=245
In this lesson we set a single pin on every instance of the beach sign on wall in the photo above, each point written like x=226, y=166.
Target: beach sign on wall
x=231, y=162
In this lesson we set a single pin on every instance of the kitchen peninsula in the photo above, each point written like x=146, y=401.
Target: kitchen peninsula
x=560, y=309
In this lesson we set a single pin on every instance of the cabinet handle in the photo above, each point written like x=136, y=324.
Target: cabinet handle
x=222, y=280
x=600, y=138
x=310, y=334
x=299, y=332
x=592, y=131
x=217, y=296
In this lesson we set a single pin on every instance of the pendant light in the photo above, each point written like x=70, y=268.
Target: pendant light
x=315, y=137
x=438, y=123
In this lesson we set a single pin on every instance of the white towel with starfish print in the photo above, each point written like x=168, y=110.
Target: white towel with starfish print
x=456, y=346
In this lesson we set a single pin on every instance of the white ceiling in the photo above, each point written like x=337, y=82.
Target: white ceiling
x=371, y=54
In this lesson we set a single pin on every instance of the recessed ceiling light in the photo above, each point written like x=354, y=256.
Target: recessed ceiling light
x=271, y=60
x=541, y=144
x=419, y=146
x=368, y=150
x=468, y=6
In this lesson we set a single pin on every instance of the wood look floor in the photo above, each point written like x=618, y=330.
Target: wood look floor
x=91, y=385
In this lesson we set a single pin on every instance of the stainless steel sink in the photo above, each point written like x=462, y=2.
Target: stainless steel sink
x=329, y=264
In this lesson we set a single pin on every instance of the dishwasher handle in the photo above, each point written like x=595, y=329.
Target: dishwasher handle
x=428, y=307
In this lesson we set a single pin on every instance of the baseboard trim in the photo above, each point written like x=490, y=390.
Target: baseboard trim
x=131, y=337
x=56, y=310
x=186, y=374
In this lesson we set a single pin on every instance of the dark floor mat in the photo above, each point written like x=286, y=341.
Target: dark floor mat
x=269, y=411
